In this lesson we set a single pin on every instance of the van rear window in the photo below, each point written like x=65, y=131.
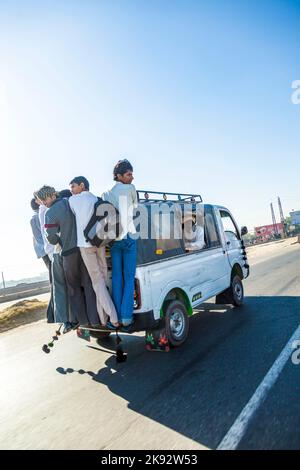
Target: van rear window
x=165, y=226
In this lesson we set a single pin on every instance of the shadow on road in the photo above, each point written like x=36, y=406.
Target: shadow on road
x=200, y=388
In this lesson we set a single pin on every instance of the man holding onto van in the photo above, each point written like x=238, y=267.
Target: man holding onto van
x=82, y=204
x=124, y=250
x=39, y=247
x=71, y=278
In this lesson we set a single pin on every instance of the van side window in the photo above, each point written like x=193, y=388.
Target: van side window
x=193, y=229
x=229, y=226
x=211, y=231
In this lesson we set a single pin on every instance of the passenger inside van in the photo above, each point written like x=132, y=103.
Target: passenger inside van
x=193, y=233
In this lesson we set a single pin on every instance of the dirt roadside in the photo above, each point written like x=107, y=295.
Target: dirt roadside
x=21, y=313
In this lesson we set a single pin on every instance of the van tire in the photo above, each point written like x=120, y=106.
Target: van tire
x=176, y=322
x=234, y=294
x=237, y=291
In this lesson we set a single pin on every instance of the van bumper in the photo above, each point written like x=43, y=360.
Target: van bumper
x=144, y=321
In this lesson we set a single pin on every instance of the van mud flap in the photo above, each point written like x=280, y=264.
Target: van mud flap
x=157, y=340
x=83, y=334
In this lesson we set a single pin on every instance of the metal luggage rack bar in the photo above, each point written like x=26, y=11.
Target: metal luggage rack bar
x=175, y=197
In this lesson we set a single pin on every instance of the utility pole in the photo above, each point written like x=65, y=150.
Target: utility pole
x=3, y=280
x=282, y=219
x=274, y=220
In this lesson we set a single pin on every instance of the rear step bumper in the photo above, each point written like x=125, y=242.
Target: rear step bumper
x=141, y=321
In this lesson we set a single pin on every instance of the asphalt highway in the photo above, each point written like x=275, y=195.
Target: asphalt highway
x=214, y=386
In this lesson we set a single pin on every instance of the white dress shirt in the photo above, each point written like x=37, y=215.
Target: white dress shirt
x=124, y=198
x=197, y=242
x=82, y=205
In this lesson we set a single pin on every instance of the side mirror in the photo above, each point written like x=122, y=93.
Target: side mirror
x=244, y=231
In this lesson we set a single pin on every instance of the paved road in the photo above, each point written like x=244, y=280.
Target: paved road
x=78, y=398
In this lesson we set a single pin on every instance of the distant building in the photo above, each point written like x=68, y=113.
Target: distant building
x=266, y=232
x=295, y=216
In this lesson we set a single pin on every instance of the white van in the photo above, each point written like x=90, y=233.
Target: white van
x=174, y=276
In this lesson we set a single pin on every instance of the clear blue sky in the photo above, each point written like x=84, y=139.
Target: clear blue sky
x=196, y=94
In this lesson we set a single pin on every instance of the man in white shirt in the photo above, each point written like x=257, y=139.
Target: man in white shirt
x=123, y=196
x=82, y=204
x=124, y=250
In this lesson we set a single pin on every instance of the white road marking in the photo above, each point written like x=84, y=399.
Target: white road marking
x=238, y=429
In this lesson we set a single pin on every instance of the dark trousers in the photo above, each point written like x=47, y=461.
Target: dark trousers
x=81, y=294
x=60, y=291
x=50, y=308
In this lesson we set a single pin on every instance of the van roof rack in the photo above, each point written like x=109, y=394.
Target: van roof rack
x=146, y=196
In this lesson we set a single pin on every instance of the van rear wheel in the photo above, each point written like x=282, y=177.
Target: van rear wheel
x=177, y=322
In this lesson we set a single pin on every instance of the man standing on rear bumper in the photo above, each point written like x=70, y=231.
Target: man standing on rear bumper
x=124, y=250
x=60, y=228
x=82, y=204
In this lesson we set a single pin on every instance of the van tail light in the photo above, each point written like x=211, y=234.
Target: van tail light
x=137, y=295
